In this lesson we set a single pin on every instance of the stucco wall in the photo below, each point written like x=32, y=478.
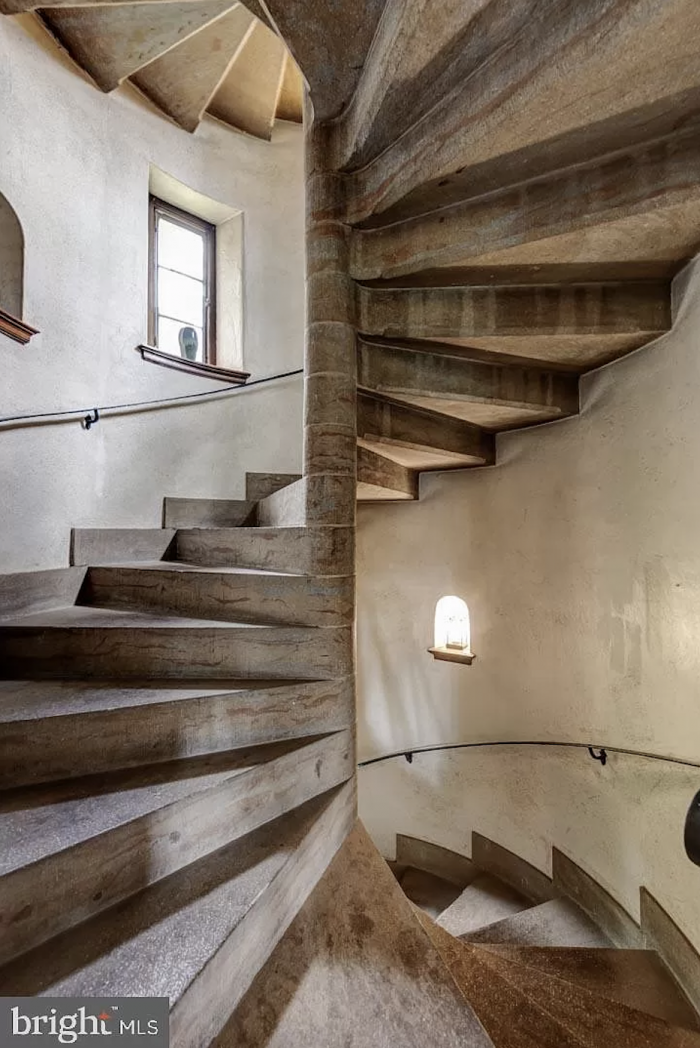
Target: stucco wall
x=578, y=555
x=75, y=166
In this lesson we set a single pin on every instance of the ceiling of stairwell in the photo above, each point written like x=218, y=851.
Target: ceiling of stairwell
x=188, y=58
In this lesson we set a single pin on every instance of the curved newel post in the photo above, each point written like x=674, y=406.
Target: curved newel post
x=330, y=369
x=330, y=379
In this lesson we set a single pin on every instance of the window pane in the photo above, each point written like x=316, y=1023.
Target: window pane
x=181, y=249
x=169, y=342
x=180, y=297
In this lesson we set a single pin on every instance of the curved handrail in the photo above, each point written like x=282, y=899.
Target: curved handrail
x=409, y=751
x=86, y=415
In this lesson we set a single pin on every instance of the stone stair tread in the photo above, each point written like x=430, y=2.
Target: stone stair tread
x=485, y=901
x=25, y=700
x=431, y=893
x=40, y=821
x=559, y=922
x=84, y=616
x=521, y=1007
x=156, y=942
x=204, y=569
x=594, y=1019
x=637, y=978
x=354, y=968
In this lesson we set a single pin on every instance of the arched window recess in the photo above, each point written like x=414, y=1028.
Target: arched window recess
x=12, y=275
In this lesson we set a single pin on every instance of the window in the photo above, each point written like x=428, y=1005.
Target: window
x=182, y=283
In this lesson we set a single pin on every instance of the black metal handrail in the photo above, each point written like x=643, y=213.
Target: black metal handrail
x=89, y=416
x=601, y=755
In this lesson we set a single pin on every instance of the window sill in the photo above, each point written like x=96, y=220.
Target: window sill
x=156, y=356
x=452, y=655
x=15, y=328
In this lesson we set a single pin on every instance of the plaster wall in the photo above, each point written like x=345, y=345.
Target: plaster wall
x=75, y=166
x=578, y=556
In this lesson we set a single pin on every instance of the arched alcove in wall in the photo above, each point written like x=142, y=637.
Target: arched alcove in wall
x=11, y=259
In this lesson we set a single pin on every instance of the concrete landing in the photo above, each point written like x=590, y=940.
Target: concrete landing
x=355, y=970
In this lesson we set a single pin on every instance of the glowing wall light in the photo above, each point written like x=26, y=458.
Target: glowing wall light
x=452, y=631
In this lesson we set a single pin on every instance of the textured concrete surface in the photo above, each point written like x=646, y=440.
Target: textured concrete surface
x=637, y=978
x=433, y=894
x=96, y=642
x=355, y=970
x=86, y=844
x=62, y=729
x=521, y=1007
x=238, y=594
x=555, y=923
x=199, y=936
x=483, y=902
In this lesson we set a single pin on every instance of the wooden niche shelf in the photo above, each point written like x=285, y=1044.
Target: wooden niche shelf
x=15, y=328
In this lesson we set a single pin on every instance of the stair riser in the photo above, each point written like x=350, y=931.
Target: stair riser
x=30, y=591
x=285, y=507
x=205, y=1007
x=263, y=599
x=209, y=513
x=317, y=551
x=84, y=744
x=119, y=545
x=41, y=653
x=81, y=880
x=259, y=486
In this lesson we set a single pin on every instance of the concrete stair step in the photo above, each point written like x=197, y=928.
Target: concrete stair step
x=63, y=729
x=575, y=324
x=83, y=845
x=296, y=550
x=420, y=439
x=380, y=478
x=104, y=643
x=485, y=901
x=475, y=391
x=520, y=1007
x=558, y=922
x=322, y=551
x=198, y=936
x=355, y=968
x=120, y=545
x=432, y=894
x=208, y=513
x=238, y=594
x=636, y=978
x=259, y=486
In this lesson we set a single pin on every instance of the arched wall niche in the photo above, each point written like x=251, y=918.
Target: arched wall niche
x=11, y=259
x=12, y=275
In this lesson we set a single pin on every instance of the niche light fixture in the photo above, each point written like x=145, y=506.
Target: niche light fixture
x=452, y=632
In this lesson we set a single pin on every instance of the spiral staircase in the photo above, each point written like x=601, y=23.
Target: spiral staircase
x=187, y=58
x=499, y=198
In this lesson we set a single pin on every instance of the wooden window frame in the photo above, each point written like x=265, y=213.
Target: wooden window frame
x=208, y=231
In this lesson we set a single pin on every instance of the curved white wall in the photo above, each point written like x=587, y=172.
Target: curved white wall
x=579, y=556
x=75, y=166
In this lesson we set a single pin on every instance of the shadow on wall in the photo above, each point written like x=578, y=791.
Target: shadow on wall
x=11, y=259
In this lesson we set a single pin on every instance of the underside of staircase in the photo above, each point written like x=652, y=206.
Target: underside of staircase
x=499, y=196
x=187, y=58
